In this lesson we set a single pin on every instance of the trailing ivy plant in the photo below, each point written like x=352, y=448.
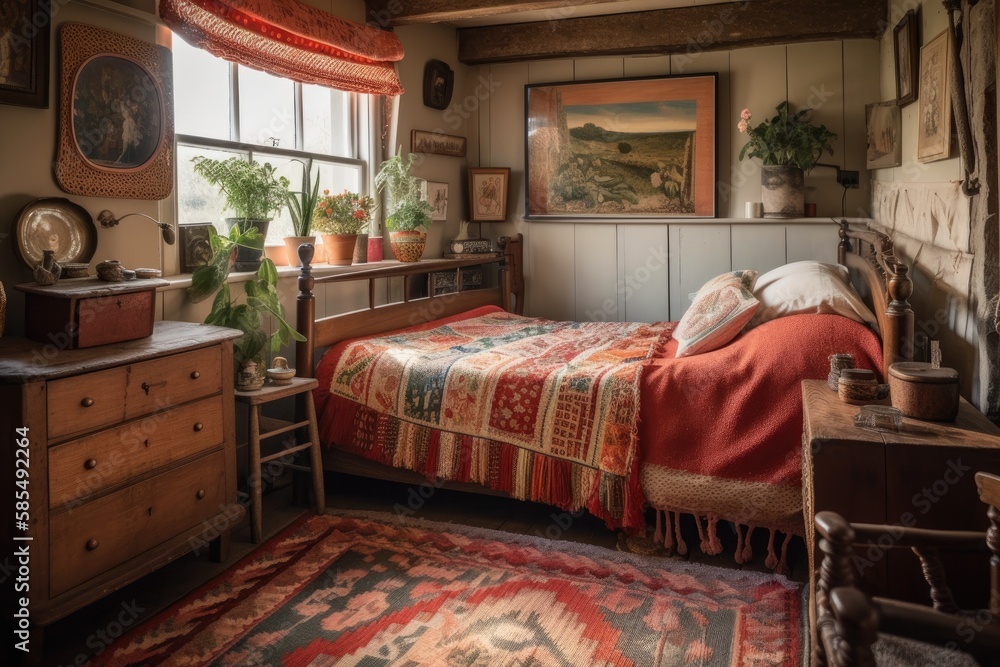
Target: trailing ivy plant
x=261, y=298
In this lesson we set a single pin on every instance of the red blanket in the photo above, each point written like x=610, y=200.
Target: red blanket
x=719, y=433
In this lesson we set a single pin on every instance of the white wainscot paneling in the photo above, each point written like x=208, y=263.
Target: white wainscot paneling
x=643, y=278
x=817, y=242
x=550, y=279
x=698, y=252
x=760, y=247
x=596, y=273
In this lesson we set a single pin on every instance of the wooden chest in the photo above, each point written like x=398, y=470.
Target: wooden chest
x=86, y=312
x=128, y=452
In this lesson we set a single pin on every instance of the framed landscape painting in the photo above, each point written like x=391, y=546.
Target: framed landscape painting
x=625, y=148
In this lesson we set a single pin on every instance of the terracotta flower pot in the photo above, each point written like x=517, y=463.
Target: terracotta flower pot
x=782, y=191
x=292, y=244
x=408, y=246
x=340, y=248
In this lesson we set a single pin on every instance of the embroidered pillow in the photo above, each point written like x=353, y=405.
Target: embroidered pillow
x=718, y=312
x=809, y=287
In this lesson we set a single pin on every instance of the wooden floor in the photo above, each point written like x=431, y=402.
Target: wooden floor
x=77, y=637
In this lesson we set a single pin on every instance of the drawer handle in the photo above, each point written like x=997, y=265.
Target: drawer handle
x=200, y=494
x=198, y=426
x=195, y=375
x=90, y=464
x=92, y=544
x=87, y=402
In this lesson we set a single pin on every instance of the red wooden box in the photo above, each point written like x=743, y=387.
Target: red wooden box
x=86, y=312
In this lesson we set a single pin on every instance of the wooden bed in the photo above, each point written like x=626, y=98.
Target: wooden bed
x=868, y=255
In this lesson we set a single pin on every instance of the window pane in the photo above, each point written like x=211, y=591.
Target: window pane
x=267, y=109
x=281, y=225
x=325, y=121
x=201, y=92
x=338, y=177
x=197, y=201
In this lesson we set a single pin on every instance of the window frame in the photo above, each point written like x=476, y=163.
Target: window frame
x=356, y=143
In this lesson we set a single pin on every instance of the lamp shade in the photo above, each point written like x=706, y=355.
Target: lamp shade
x=290, y=39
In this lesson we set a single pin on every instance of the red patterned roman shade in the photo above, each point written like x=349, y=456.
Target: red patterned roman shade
x=290, y=39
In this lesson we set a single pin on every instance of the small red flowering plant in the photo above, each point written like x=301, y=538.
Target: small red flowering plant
x=344, y=213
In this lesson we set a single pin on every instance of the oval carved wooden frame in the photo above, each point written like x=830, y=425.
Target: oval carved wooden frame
x=75, y=173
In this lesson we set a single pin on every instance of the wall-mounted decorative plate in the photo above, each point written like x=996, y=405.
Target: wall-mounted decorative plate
x=54, y=223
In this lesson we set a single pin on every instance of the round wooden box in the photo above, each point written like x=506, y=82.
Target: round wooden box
x=921, y=391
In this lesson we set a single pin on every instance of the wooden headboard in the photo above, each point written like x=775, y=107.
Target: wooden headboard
x=508, y=294
x=885, y=277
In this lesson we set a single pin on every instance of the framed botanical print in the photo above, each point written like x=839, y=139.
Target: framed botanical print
x=25, y=29
x=623, y=148
x=488, y=193
x=906, y=47
x=115, y=115
x=934, y=110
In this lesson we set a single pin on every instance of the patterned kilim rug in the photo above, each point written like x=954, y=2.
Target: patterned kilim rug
x=367, y=590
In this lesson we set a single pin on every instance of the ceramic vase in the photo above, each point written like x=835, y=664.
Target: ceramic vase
x=408, y=246
x=250, y=376
x=339, y=248
x=375, y=248
x=782, y=191
x=47, y=271
x=292, y=244
x=248, y=259
x=361, y=249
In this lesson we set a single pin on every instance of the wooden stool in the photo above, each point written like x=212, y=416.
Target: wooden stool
x=272, y=427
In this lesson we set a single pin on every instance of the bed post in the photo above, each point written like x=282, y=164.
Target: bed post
x=305, y=313
x=512, y=272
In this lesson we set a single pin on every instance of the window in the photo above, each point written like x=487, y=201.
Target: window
x=224, y=110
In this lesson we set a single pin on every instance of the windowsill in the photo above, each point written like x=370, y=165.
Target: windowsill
x=183, y=280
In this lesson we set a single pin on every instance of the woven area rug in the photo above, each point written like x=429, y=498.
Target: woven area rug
x=368, y=590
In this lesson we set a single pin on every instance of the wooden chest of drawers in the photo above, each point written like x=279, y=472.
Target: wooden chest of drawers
x=129, y=459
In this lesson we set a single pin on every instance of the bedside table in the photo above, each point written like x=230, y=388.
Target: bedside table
x=921, y=477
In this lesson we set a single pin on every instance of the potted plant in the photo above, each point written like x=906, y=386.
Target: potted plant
x=252, y=193
x=301, y=206
x=340, y=218
x=261, y=298
x=788, y=145
x=409, y=215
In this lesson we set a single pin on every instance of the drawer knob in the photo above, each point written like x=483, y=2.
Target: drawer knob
x=87, y=402
x=198, y=426
x=200, y=494
x=90, y=464
x=92, y=544
x=195, y=375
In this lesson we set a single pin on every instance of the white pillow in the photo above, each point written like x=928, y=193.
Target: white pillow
x=808, y=287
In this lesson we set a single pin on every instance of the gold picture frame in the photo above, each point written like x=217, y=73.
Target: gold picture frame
x=116, y=124
x=934, y=109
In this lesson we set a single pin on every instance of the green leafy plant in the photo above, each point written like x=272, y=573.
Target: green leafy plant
x=344, y=213
x=407, y=211
x=251, y=190
x=583, y=180
x=302, y=204
x=786, y=139
x=261, y=298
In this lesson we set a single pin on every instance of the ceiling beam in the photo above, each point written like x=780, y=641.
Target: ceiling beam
x=387, y=13
x=688, y=30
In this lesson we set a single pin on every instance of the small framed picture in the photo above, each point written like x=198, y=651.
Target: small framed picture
x=906, y=47
x=196, y=248
x=488, y=193
x=435, y=143
x=439, y=79
x=934, y=110
x=883, y=120
x=436, y=194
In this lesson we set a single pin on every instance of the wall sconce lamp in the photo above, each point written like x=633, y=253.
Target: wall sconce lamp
x=108, y=220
